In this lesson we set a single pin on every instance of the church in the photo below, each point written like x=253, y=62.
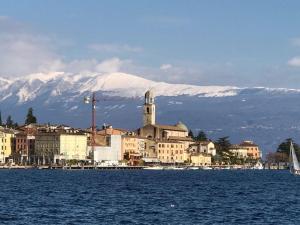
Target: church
x=152, y=130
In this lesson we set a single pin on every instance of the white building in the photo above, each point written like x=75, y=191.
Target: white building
x=239, y=151
x=206, y=147
x=111, y=152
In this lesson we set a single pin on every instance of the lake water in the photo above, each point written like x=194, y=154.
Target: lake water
x=148, y=197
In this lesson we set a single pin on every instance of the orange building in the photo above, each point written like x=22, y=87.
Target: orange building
x=253, y=151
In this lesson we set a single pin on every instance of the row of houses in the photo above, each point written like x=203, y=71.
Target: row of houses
x=151, y=143
x=45, y=144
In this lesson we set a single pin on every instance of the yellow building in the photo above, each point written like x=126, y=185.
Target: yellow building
x=130, y=149
x=171, y=151
x=201, y=159
x=55, y=146
x=6, y=144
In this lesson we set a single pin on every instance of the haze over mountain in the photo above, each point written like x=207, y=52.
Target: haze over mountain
x=264, y=115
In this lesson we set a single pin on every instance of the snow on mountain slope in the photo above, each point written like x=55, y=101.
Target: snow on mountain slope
x=114, y=84
x=57, y=85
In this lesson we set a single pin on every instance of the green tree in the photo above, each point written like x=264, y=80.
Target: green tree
x=201, y=136
x=222, y=146
x=9, y=122
x=191, y=134
x=284, y=147
x=30, y=118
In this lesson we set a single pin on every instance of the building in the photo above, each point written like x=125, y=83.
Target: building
x=130, y=149
x=109, y=152
x=24, y=147
x=207, y=147
x=171, y=151
x=200, y=159
x=239, y=151
x=149, y=109
x=7, y=143
x=57, y=146
x=158, y=131
x=151, y=130
x=253, y=151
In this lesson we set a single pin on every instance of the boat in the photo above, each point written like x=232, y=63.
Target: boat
x=258, y=166
x=153, y=168
x=206, y=168
x=174, y=168
x=294, y=164
x=192, y=168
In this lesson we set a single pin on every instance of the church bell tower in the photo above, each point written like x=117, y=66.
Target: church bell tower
x=149, y=109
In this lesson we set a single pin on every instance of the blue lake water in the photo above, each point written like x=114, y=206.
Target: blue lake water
x=148, y=197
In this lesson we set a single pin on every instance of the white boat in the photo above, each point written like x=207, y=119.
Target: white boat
x=174, y=168
x=192, y=168
x=153, y=168
x=294, y=164
x=258, y=166
x=206, y=168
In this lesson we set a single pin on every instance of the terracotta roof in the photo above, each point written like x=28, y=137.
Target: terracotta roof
x=181, y=138
x=248, y=144
x=236, y=147
x=169, y=127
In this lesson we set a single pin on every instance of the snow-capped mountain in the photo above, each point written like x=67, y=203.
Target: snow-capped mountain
x=265, y=115
x=114, y=84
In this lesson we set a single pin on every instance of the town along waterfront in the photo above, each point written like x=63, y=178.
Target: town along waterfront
x=149, y=197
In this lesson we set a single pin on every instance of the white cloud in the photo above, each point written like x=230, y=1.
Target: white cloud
x=294, y=61
x=166, y=66
x=22, y=52
x=109, y=66
x=114, y=48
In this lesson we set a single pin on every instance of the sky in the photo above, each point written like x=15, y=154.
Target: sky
x=202, y=42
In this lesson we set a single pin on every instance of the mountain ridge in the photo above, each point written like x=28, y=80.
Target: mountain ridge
x=29, y=87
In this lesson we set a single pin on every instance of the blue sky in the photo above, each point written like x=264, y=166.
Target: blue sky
x=242, y=43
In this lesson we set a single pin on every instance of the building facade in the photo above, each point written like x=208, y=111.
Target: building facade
x=207, y=147
x=171, y=152
x=253, y=151
x=200, y=159
x=7, y=144
x=57, y=146
x=110, y=152
x=239, y=151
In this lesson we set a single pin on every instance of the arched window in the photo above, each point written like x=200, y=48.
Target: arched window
x=148, y=111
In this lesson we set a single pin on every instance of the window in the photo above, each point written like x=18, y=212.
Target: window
x=148, y=111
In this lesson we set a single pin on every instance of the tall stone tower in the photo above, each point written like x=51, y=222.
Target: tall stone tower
x=149, y=109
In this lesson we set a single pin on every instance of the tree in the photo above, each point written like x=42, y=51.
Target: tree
x=222, y=146
x=1, y=123
x=276, y=157
x=284, y=147
x=201, y=136
x=30, y=118
x=9, y=122
x=191, y=134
